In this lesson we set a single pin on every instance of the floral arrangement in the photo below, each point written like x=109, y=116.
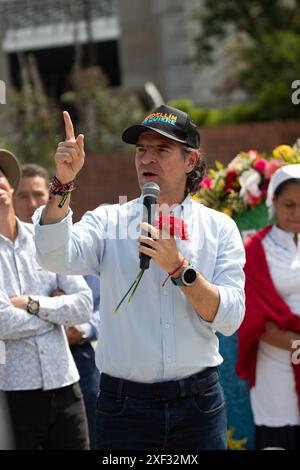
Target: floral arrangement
x=243, y=183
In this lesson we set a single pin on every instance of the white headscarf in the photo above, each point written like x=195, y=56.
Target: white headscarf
x=283, y=173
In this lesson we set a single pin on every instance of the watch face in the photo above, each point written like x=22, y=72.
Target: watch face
x=189, y=275
x=33, y=306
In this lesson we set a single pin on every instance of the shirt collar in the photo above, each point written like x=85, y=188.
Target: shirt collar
x=20, y=236
x=283, y=237
x=183, y=210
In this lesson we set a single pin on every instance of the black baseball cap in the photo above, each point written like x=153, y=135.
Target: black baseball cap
x=10, y=167
x=167, y=121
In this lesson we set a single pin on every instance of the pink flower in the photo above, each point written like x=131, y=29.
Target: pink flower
x=271, y=167
x=206, y=183
x=177, y=227
x=260, y=165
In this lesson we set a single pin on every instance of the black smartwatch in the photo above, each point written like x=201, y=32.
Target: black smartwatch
x=33, y=306
x=187, y=278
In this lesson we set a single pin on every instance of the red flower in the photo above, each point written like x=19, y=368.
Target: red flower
x=176, y=227
x=231, y=179
x=253, y=201
x=264, y=189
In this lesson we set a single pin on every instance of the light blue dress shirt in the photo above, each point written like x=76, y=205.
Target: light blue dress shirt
x=91, y=328
x=36, y=351
x=158, y=336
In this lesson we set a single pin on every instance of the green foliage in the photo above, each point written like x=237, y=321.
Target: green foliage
x=216, y=117
x=264, y=49
x=29, y=127
x=255, y=218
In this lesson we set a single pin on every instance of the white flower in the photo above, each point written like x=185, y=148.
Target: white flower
x=236, y=164
x=249, y=181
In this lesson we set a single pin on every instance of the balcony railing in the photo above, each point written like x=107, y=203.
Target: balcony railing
x=20, y=14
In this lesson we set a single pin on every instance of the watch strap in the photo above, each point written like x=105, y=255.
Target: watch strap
x=177, y=281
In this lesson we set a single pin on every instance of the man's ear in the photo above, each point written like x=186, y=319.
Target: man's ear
x=191, y=161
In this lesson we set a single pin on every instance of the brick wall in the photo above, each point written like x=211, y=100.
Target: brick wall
x=223, y=143
x=105, y=177
x=102, y=179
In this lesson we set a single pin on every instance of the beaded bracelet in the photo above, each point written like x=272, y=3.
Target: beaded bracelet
x=59, y=189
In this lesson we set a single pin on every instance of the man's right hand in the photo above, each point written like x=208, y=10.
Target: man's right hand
x=69, y=156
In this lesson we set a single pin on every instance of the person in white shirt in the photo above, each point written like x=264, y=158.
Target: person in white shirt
x=38, y=372
x=158, y=356
x=272, y=322
x=33, y=192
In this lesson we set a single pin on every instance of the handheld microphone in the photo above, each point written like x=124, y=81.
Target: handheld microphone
x=150, y=192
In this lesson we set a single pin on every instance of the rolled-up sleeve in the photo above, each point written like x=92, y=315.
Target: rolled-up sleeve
x=16, y=323
x=72, y=308
x=229, y=278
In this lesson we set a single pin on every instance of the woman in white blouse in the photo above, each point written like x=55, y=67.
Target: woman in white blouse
x=268, y=337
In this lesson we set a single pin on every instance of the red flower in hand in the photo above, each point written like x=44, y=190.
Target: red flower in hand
x=176, y=227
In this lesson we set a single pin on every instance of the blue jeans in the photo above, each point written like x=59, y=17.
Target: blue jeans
x=84, y=357
x=182, y=416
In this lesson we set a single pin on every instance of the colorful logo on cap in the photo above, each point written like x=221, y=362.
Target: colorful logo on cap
x=160, y=117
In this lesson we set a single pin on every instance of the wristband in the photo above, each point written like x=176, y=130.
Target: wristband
x=173, y=272
x=58, y=189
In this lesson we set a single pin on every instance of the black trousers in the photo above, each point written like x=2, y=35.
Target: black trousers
x=52, y=419
x=285, y=437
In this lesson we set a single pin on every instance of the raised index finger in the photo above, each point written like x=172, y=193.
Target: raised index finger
x=68, y=126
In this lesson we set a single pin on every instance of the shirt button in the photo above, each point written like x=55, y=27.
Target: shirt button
x=168, y=359
x=167, y=325
x=41, y=351
x=166, y=291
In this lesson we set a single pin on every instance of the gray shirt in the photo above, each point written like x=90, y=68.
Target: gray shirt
x=36, y=353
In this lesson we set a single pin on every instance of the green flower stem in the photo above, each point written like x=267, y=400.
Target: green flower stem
x=133, y=285
x=140, y=275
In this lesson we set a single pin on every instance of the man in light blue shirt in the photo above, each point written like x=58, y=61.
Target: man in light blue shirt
x=159, y=354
